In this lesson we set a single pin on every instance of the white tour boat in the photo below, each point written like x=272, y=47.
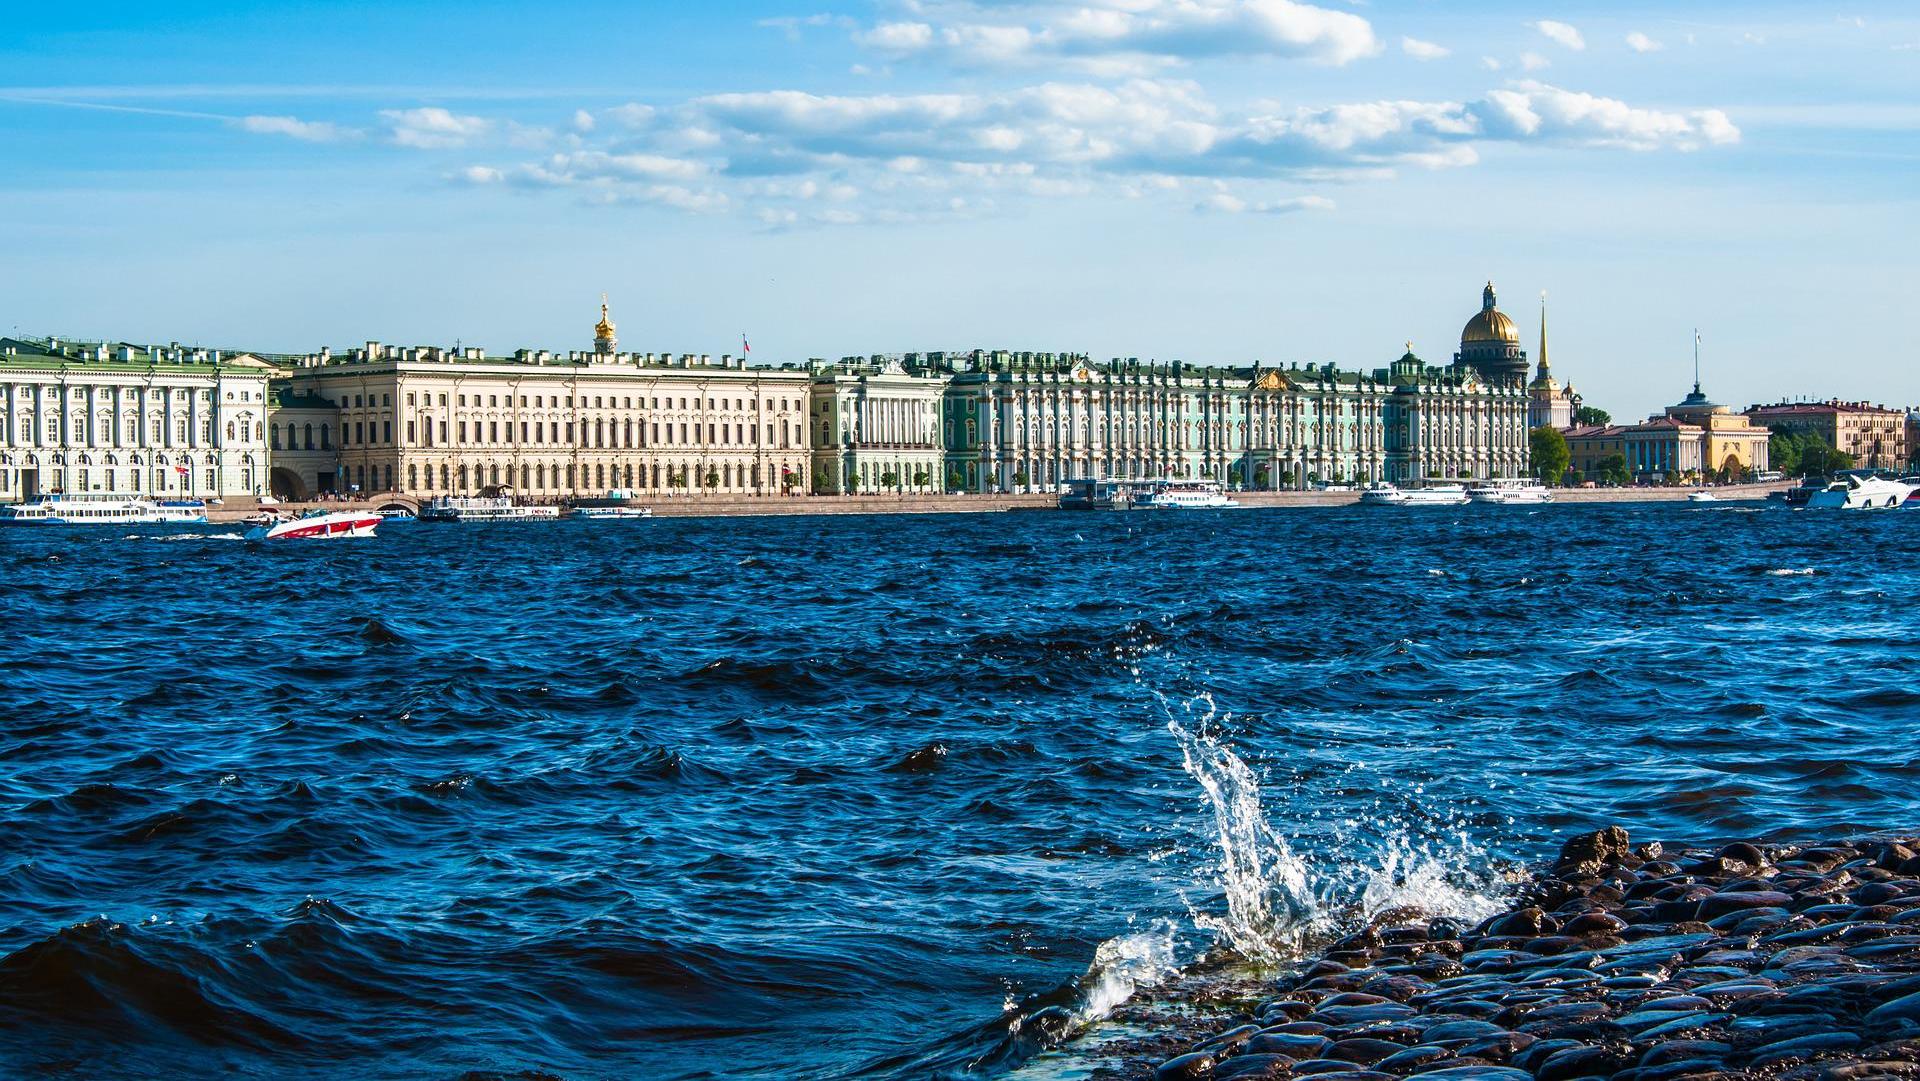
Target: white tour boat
x=1185, y=495
x=604, y=514
x=318, y=525
x=617, y=505
x=1510, y=491
x=1383, y=494
x=1856, y=492
x=104, y=510
x=497, y=508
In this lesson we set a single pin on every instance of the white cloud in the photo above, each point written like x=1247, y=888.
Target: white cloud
x=1116, y=37
x=895, y=157
x=582, y=121
x=1641, y=43
x=434, y=128
x=1561, y=33
x=308, y=131
x=1423, y=50
x=1534, y=62
x=1490, y=63
x=1228, y=203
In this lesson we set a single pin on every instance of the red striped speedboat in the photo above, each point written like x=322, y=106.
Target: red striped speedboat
x=318, y=525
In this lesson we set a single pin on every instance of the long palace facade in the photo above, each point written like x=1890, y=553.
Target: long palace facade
x=426, y=421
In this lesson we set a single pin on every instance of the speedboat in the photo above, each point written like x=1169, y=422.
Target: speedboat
x=1185, y=495
x=1702, y=497
x=1516, y=491
x=318, y=525
x=1855, y=491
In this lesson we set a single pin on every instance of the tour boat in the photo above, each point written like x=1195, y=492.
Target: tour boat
x=1433, y=495
x=1856, y=492
x=484, y=509
x=318, y=525
x=602, y=514
x=1186, y=495
x=617, y=505
x=1510, y=491
x=104, y=510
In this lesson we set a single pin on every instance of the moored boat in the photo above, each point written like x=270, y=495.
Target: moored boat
x=1856, y=491
x=617, y=505
x=318, y=525
x=104, y=510
x=1088, y=493
x=498, y=508
x=1431, y=495
x=1184, y=495
x=1510, y=491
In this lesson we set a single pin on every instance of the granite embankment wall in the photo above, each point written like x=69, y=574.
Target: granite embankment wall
x=718, y=505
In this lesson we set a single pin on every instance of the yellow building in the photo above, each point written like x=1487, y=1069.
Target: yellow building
x=1730, y=444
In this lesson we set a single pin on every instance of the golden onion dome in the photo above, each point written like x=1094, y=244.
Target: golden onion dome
x=1490, y=324
x=604, y=328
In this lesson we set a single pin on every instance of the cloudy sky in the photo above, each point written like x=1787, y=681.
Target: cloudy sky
x=1210, y=180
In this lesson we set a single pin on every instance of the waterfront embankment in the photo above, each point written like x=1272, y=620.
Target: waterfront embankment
x=1638, y=962
x=727, y=505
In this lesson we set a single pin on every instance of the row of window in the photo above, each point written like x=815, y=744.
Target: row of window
x=554, y=401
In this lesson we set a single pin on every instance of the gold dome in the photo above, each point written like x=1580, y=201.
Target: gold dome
x=604, y=328
x=1491, y=324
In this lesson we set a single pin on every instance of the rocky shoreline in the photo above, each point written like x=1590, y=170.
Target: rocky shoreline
x=1624, y=961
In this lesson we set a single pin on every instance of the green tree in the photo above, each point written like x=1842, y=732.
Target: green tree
x=712, y=479
x=920, y=478
x=889, y=479
x=676, y=480
x=1613, y=469
x=1783, y=449
x=956, y=480
x=1590, y=415
x=1020, y=476
x=1550, y=454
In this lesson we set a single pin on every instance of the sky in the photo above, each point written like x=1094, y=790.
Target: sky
x=1216, y=181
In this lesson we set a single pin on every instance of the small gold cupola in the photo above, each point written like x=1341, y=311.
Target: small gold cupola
x=604, y=342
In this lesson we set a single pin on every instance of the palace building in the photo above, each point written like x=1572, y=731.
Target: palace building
x=122, y=419
x=875, y=427
x=428, y=421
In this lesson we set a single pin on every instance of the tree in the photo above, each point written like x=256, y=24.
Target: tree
x=1550, y=455
x=1589, y=415
x=1020, y=476
x=1783, y=449
x=889, y=479
x=920, y=478
x=956, y=480
x=676, y=480
x=1613, y=469
x=712, y=479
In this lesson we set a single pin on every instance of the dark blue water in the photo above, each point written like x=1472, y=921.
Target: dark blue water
x=820, y=797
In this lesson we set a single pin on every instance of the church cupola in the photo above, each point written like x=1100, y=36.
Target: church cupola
x=604, y=343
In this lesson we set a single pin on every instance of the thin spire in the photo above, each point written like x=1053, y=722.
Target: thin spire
x=1544, y=366
x=1696, y=360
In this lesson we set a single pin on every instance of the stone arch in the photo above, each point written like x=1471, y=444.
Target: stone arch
x=285, y=484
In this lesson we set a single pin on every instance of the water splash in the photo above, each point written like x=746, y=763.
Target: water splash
x=1269, y=904
x=1126, y=965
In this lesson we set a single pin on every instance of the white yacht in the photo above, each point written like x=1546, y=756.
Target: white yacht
x=1702, y=497
x=1432, y=495
x=1185, y=495
x=484, y=508
x=1854, y=491
x=104, y=510
x=1510, y=491
x=317, y=525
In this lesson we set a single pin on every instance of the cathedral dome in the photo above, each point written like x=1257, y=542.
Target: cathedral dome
x=1491, y=324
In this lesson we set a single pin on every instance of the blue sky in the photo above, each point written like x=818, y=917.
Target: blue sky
x=1210, y=180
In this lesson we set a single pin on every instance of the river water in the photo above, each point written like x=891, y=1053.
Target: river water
x=847, y=797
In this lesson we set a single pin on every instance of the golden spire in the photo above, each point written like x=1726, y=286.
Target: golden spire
x=1543, y=332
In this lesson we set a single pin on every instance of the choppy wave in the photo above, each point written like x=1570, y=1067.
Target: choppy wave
x=825, y=798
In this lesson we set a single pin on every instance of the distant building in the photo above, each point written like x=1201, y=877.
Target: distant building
x=124, y=419
x=1695, y=438
x=1913, y=435
x=429, y=421
x=1453, y=423
x=1875, y=435
x=1591, y=444
x=874, y=426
